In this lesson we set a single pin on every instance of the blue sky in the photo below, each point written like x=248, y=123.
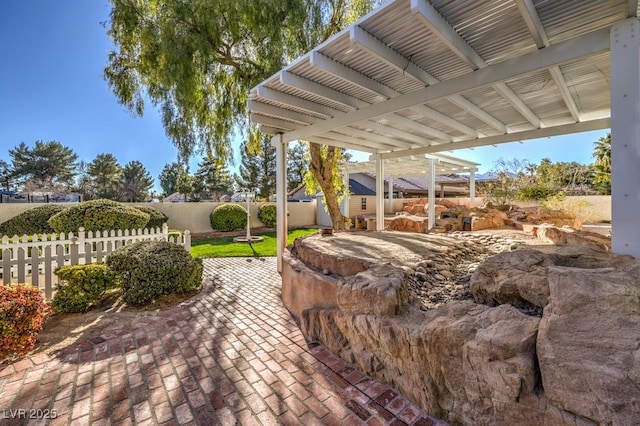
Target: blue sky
x=52, y=57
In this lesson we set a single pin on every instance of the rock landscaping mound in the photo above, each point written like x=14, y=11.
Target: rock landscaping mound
x=492, y=331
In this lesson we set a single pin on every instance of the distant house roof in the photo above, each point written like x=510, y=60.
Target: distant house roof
x=356, y=188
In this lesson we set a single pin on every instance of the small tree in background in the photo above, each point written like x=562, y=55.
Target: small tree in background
x=104, y=173
x=169, y=178
x=213, y=178
x=297, y=164
x=135, y=183
x=258, y=167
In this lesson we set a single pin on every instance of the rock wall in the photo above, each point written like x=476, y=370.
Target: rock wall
x=475, y=364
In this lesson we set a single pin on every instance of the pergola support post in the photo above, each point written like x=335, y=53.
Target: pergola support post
x=431, y=215
x=625, y=137
x=281, y=196
x=347, y=194
x=472, y=188
x=379, y=193
x=390, y=192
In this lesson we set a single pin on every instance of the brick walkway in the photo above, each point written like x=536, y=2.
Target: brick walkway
x=232, y=355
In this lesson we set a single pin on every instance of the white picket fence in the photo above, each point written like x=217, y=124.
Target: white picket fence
x=34, y=262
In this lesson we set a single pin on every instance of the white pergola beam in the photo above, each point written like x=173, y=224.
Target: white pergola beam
x=315, y=89
x=381, y=146
x=561, y=83
x=392, y=131
x=277, y=112
x=532, y=19
x=584, y=126
x=445, y=32
x=558, y=54
x=365, y=40
x=379, y=194
x=506, y=92
x=359, y=145
x=343, y=72
x=447, y=121
x=294, y=101
x=464, y=104
x=274, y=122
x=374, y=137
x=418, y=127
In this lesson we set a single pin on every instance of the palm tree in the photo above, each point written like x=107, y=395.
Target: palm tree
x=602, y=166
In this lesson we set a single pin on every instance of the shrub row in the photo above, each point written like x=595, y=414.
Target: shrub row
x=95, y=215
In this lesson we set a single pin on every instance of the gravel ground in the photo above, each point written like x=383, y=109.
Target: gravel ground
x=445, y=275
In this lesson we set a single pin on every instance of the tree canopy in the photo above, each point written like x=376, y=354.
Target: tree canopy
x=196, y=61
x=258, y=168
x=46, y=166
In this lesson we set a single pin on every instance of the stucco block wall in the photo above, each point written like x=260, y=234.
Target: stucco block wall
x=193, y=216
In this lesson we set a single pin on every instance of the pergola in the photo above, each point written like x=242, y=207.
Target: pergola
x=413, y=165
x=418, y=77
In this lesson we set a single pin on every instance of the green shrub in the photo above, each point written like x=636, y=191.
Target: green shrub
x=228, y=217
x=150, y=269
x=32, y=221
x=82, y=286
x=98, y=215
x=268, y=215
x=23, y=311
x=156, y=217
x=536, y=192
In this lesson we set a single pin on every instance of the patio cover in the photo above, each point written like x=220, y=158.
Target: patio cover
x=416, y=77
x=414, y=165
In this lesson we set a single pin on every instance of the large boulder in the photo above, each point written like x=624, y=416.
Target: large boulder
x=465, y=363
x=589, y=343
x=404, y=223
x=380, y=290
x=520, y=277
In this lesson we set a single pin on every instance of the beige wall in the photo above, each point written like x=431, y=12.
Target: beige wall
x=193, y=216
x=355, y=205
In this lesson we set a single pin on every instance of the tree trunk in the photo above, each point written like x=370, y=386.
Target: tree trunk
x=323, y=169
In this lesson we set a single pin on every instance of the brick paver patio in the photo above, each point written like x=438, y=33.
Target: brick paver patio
x=232, y=355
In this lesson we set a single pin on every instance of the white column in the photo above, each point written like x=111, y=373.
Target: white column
x=281, y=196
x=379, y=193
x=625, y=137
x=390, y=192
x=347, y=194
x=431, y=215
x=472, y=188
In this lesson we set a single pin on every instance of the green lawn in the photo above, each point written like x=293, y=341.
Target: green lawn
x=225, y=247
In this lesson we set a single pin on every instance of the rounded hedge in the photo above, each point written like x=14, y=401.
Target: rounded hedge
x=150, y=269
x=268, y=215
x=32, y=221
x=99, y=215
x=82, y=286
x=228, y=217
x=156, y=217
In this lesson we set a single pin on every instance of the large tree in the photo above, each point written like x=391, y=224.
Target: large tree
x=169, y=178
x=105, y=173
x=213, y=178
x=48, y=166
x=197, y=60
x=258, y=168
x=297, y=164
x=135, y=182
